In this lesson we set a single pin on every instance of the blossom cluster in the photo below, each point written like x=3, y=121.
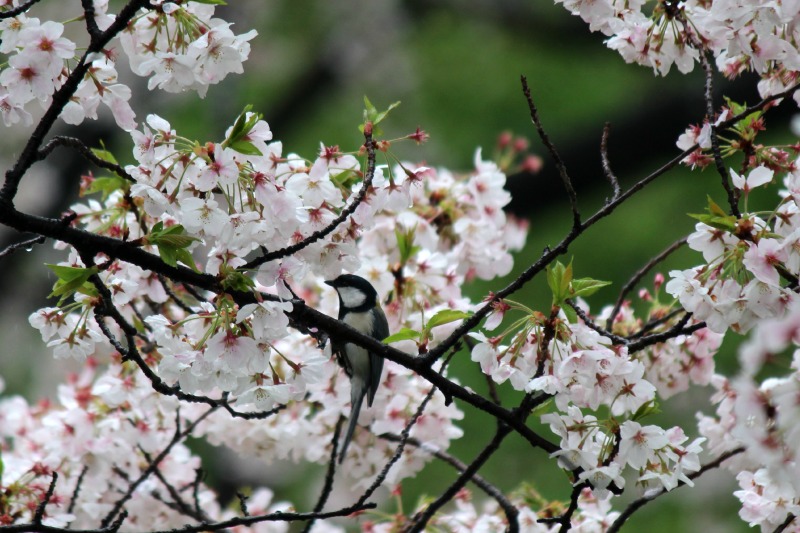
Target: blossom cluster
x=584, y=371
x=762, y=417
x=179, y=46
x=226, y=202
x=102, y=438
x=761, y=36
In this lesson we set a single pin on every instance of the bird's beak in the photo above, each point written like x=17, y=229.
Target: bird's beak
x=329, y=282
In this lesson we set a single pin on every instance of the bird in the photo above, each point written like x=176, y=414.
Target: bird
x=359, y=308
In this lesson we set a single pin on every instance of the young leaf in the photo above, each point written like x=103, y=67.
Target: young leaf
x=373, y=116
x=646, y=409
x=587, y=286
x=559, y=278
x=236, y=280
x=237, y=138
x=106, y=185
x=405, y=243
x=71, y=280
x=405, y=334
x=105, y=155
x=445, y=316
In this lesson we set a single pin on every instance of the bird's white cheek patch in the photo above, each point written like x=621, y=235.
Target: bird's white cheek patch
x=351, y=297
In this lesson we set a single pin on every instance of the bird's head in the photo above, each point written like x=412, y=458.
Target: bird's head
x=354, y=291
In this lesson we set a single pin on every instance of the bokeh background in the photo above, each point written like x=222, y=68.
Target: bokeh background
x=455, y=66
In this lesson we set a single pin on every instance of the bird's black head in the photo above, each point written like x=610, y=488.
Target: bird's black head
x=354, y=291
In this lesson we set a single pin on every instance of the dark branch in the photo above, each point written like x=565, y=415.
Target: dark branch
x=400, y=447
x=565, y=519
x=610, y=176
x=786, y=523
x=11, y=248
x=153, y=464
x=733, y=197
x=509, y=509
x=83, y=150
x=637, y=277
x=39, y=514
x=562, y=168
x=329, y=474
x=13, y=12
x=420, y=520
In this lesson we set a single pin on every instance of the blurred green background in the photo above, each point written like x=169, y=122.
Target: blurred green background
x=455, y=66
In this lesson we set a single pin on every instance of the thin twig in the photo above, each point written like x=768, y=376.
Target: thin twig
x=637, y=504
x=131, y=353
x=13, y=12
x=329, y=475
x=175, y=298
x=733, y=199
x=11, y=248
x=637, y=277
x=82, y=149
x=344, y=215
x=421, y=519
x=61, y=98
x=616, y=339
x=606, y=162
x=153, y=464
x=654, y=323
x=562, y=168
x=39, y=514
x=404, y=436
x=242, y=504
x=786, y=523
x=565, y=519
x=77, y=490
x=179, y=504
x=680, y=328
x=509, y=509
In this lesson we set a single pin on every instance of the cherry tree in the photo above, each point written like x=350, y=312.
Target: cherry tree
x=190, y=291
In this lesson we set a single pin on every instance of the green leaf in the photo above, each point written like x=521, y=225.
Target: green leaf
x=371, y=114
x=405, y=334
x=572, y=316
x=405, y=243
x=212, y=2
x=559, y=278
x=236, y=281
x=646, y=409
x=105, y=155
x=172, y=243
x=587, y=286
x=243, y=125
x=716, y=217
x=714, y=208
x=445, y=316
x=244, y=147
x=72, y=280
x=106, y=185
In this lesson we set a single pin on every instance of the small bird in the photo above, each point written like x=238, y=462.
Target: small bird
x=360, y=309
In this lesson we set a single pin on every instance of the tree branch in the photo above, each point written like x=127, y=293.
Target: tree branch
x=562, y=168
x=637, y=277
x=27, y=244
x=83, y=150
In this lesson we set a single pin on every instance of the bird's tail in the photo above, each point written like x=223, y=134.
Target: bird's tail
x=357, y=398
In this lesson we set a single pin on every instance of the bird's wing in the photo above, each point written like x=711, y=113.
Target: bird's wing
x=380, y=331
